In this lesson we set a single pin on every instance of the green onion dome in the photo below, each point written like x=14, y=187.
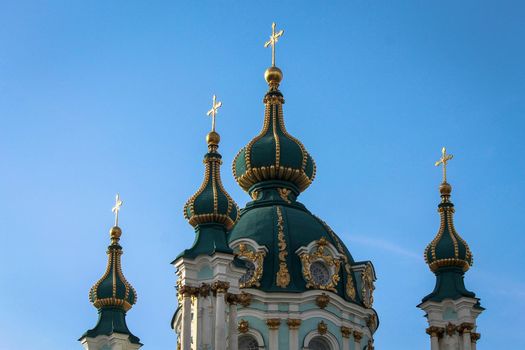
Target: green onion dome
x=112, y=295
x=113, y=290
x=447, y=249
x=274, y=154
x=211, y=204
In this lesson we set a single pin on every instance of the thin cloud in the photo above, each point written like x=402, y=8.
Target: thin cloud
x=384, y=245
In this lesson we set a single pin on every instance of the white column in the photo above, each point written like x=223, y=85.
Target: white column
x=466, y=340
x=273, y=326
x=209, y=323
x=293, y=328
x=345, y=332
x=220, y=316
x=435, y=333
x=434, y=342
x=186, y=320
x=233, y=343
x=357, y=340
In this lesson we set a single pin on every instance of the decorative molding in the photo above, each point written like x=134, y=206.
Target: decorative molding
x=450, y=329
x=358, y=335
x=345, y=332
x=322, y=300
x=245, y=299
x=321, y=255
x=465, y=327
x=349, y=287
x=434, y=331
x=367, y=290
x=220, y=287
x=322, y=328
x=293, y=323
x=273, y=323
x=243, y=327
x=256, y=258
x=474, y=337
x=285, y=193
x=283, y=276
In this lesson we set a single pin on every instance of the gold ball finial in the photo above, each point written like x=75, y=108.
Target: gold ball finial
x=273, y=75
x=445, y=189
x=115, y=232
x=213, y=138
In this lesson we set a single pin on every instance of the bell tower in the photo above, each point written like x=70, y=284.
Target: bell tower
x=451, y=310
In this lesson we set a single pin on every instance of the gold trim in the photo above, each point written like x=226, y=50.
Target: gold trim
x=446, y=214
x=284, y=193
x=256, y=258
x=274, y=113
x=273, y=323
x=368, y=286
x=322, y=328
x=357, y=336
x=243, y=327
x=349, y=288
x=212, y=168
x=283, y=276
x=293, y=323
x=322, y=300
x=319, y=254
x=345, y=332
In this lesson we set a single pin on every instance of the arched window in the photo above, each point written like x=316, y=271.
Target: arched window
x=247, y=342
x=318, y=343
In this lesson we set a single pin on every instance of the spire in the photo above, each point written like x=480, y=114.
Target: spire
x=211, y=207
x=112, y=295
x=274, y=158
x=448, y=255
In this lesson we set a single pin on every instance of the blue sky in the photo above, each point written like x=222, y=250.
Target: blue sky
x=98, y=97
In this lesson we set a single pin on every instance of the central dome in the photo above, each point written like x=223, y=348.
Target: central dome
x=274, y=154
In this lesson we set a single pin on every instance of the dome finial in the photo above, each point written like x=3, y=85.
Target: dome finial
x=273, y=41
x=445, y=189
x=213, y=138
x=273, y=75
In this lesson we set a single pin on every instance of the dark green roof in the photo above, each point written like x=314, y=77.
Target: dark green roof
x=211, y=203
x=111, y=320
x=447, y=248
x=259, y=221
x=112, y=295
x=274, y=154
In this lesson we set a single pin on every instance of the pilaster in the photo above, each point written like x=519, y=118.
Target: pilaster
x=273, y=326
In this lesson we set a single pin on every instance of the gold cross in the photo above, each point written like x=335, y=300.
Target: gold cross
x=273, y=40
x=213, y=111
x=444, y=160
x=116, y=208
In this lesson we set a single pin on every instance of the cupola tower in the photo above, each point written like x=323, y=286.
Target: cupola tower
x=451, y=309
x=113, y=296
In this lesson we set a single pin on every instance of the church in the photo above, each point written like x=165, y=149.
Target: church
x=272, y=275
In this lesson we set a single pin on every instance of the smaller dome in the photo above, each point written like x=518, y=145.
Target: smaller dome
x=447, y=248
x=113, y=290
x=211, y=203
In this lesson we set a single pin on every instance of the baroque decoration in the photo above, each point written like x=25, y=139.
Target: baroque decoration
x=312, y=264
x=368, y=286
x=255, y=270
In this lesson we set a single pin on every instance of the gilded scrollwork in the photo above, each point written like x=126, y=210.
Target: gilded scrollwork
x=283, y=276
x=285, y=193
x=320, y=255
x=368, y=286
x=256, y=258
x=349, y=287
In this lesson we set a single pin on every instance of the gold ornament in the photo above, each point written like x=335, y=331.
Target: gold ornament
x=283, y=276
x=319, y=254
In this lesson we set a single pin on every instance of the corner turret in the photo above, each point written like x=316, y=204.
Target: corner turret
x=113, y=296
